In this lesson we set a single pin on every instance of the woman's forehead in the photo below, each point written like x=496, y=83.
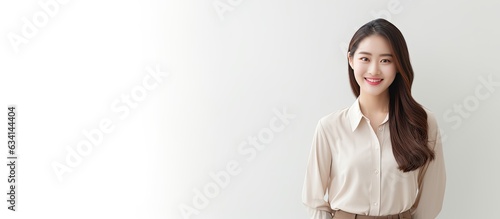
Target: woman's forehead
x=374, y=45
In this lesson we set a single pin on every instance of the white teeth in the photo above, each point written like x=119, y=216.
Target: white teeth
x=373, y=81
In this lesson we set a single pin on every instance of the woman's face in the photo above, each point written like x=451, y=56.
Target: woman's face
x=373, y=65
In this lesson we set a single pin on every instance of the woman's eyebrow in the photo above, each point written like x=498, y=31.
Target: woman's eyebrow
x=367, y=53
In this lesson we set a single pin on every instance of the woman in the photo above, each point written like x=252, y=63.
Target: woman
x=383, y=155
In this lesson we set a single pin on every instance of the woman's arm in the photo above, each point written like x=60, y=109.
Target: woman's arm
x=318, y=176
x=434, y=181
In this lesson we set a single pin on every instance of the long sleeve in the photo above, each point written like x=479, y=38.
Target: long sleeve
x=317, y=177
x=434, y=182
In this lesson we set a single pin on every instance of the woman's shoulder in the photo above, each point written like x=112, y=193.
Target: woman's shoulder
x=335, y=118
x=433, y=128
x=431, y=117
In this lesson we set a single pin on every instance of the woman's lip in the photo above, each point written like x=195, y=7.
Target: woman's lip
x=374, y=81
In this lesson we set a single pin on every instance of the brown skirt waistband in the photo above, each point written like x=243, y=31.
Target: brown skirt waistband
x=346, y=215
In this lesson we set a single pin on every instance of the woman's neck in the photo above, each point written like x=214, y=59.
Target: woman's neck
x=374, y=105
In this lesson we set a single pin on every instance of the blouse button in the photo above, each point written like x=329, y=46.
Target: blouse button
x=381, y=128
x=376, y=171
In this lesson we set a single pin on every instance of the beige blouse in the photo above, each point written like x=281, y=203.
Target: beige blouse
x=352, y=168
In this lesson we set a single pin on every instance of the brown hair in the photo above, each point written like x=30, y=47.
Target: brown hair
x=407, y=118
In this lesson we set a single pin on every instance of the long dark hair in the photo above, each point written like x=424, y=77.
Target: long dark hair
x=407, y=118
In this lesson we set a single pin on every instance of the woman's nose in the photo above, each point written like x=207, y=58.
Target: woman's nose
x=374, y=68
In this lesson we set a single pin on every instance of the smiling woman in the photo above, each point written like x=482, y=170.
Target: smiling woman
x=382, y=157
x=374, y=69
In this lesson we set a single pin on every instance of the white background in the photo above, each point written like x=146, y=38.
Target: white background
x=228, y=71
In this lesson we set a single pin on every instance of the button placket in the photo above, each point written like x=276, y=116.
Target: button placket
x=377, y=156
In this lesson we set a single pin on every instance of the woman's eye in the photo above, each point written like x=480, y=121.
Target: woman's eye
x=364, y=59
x=385, y=61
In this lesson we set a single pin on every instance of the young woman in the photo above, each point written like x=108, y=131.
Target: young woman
x=382, y=157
